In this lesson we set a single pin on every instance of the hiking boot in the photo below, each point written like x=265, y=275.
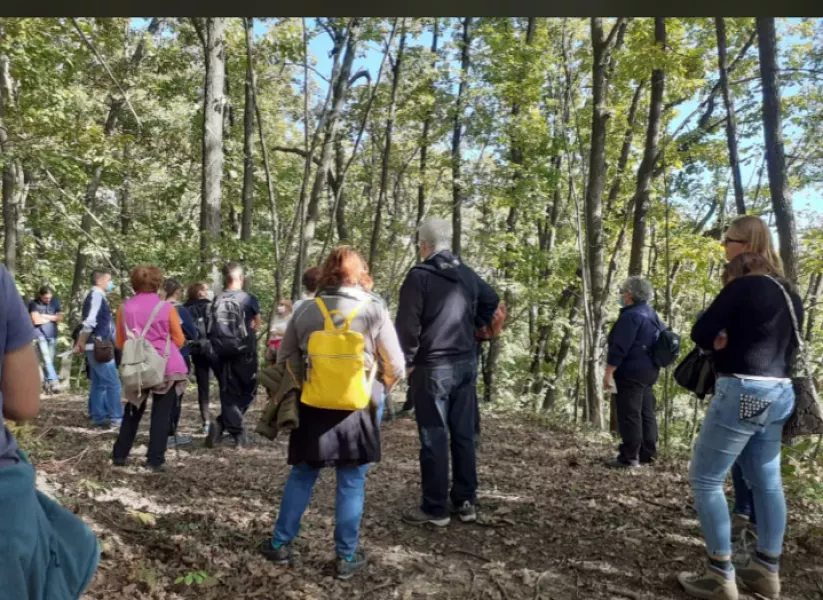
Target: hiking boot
x=739, y=524
x=181, y=440
x=743, y=545
x=416, y=516
x=713, y=584
x=345, y=568
x=214, y=434
x=465, y=512
x=282, y=555
x=618, y=463
x=760, y=578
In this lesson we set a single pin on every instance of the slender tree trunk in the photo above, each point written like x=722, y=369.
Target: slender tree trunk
x=625, y=151
x=812, y=306
x=424, y=144
x=458, y=185
x=339, y=167
x=248, y=139
x=731, y=121
x=212, y=176
x=601, y=47
x=384, y=171
x=563, y=352
x=646, y=170
x=775, y=154
x=340, y=85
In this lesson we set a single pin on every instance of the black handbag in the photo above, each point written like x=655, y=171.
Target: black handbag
x=807, y=417
x=696, y=373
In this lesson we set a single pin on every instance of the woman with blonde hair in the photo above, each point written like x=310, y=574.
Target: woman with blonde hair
x=753, y=398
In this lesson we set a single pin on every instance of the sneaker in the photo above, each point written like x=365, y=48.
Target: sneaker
x=115, y=423
x=713, y=584
x=345, y=568
x=181, y=440
x=465, y=512
x=617, y=463
x=759, y=578
x=416, y=516
x=281, y=555
x=55, y=387
x=214, y=434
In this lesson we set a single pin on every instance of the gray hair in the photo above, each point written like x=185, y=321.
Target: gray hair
x=436, y=233
x=638, y=288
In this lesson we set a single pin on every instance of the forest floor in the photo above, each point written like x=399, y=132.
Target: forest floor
x=553, y=522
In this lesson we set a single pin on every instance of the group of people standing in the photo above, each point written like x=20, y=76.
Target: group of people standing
x=750, y=332
x=433, y=342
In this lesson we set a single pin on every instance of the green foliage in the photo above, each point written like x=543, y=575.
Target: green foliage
x=193, y=578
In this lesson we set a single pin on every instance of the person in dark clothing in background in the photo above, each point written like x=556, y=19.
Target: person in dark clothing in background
x=233, y=323
x=442, y=301
x=173, y=292
x=633, y=372
x=203, y=360
x=46, y=313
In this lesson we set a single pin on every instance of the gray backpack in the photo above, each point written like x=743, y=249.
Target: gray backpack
x=142, y=367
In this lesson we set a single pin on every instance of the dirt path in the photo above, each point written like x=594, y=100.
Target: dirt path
x=554, y=524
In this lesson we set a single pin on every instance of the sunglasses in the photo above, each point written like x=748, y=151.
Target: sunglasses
x=727, y=240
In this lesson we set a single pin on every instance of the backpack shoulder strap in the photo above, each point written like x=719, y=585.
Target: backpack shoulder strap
x=328, y=322
x=151, y=318
x=347, y=323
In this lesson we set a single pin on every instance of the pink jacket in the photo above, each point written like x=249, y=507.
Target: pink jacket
x=136, y=313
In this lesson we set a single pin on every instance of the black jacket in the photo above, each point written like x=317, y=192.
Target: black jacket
x=630, y=342
x=442, y=302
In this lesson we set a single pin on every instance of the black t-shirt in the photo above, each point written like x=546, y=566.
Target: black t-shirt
x=46, y=330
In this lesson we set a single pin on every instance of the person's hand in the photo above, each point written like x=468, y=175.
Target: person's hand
x=721, y=341
x=607, y=381
x=78, y=349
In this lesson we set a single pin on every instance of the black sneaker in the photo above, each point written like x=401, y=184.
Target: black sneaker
x=345, y=568
x=214, y=434
x=616, y=463
x=416, y=516
x=280, y=556
x=466, y=512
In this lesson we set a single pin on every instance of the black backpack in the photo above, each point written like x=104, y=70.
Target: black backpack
x=227, y=329
x=666, y=349
x=200, y=314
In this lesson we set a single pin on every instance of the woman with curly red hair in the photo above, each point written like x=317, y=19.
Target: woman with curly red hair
x=346, y=440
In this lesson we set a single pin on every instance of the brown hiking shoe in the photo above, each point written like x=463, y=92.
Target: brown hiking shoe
x=756, y=577
x=712, y=584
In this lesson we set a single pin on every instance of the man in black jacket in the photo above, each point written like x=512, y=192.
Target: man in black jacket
x=442, y=302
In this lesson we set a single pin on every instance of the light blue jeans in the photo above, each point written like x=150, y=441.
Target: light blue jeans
x=744, y=423
x=48, y=353
x=104, y=396
x=351, y=493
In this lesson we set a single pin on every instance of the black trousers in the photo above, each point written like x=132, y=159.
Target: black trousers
x=446, y=410
x=162, y=408
x=202, y=366
x=636, y=420
x=238, y=382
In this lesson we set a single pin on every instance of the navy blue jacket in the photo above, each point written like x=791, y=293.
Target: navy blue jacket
x=630, y=341
x=189, y=329
x=441, y=305
x=101, y=325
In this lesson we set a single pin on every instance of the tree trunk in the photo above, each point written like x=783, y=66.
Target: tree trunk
x=458, y=186
x=339, y=167
x=813, y=300
x=340, y=85
x=731, y=123
x=601, y=46
x=384, y=171
x=212, y=176
x=248, y=140
x=561, y=362
x=424, y=144
x=775, y=155
x=625, y=151
x=646, y=170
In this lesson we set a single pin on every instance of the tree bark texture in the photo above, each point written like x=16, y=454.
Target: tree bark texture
x=248, y=139
x=731, y=121
x=424, y=144
x=458, y=185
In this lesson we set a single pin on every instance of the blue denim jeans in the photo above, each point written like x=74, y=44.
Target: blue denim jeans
x=445, y=406
x=351, y=494
x=104, y=396
x=743, y=423
x=48, y=352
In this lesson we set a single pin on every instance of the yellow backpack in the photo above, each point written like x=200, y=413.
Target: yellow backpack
x=336, y=369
